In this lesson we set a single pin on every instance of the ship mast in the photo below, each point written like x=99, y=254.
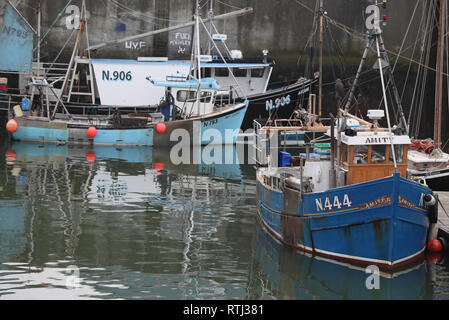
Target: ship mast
x=211, y=17
x=321, y=13
x=198, y=53
x=439, y=76
x=39, y=15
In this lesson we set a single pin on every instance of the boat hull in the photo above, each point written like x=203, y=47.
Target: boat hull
x=280, y=103
x=382, y=222
x=44, y=131
x=217, y=128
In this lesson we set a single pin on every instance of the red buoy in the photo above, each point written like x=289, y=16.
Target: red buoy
x=92, y=132
x=434, y=245
x=12, y=126
x=159, y=166
x=11, y=156
x=434, y=257
x=161, y=127
x=91, y=156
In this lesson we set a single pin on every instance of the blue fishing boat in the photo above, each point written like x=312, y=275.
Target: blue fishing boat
x=202, y=110
x=356, y=203
x=212, y=120
x=379, y=221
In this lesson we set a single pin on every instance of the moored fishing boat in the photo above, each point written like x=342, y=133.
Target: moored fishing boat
x=213, y=122
x=375, y=215
x=357, y=205
x=206, y=110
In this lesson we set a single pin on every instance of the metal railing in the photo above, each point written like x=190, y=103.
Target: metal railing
x=270, y=140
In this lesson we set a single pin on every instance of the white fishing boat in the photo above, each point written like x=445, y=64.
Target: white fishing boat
x=203, y=114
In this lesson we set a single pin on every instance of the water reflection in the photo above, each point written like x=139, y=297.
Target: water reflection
x=280, y=272
x=136, y=225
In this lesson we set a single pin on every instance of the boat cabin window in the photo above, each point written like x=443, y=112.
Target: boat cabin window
x=257, y=73
x=378, y=153
x=344, y=151
x=185, y=95
x=399, y=153
x=239, y=73
x=221, y=99
x=206, y=73
x=205, y=96
x=221, y=72
x=360, y=154
x=189, y=96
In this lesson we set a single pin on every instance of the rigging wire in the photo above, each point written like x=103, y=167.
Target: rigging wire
x=360, y=36
x=401, y=48
x=53, y=24
x=431, y=26
x=60, y=52
x=141, y=15
x=228, y=5
x=426, y=20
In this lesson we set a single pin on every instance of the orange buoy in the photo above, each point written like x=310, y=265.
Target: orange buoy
x=159, y=166
x=12, y=126
x=92, y=132
x=434, y=245
x=91, y=156
x=11, y=156
x=161, y=127
x=434, y=257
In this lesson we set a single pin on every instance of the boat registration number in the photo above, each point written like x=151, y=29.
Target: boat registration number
x=210, y=123
x=279, y=102
x=117, y=75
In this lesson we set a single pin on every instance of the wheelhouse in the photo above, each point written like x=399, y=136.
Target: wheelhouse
x=369, y=155
x=211, y=95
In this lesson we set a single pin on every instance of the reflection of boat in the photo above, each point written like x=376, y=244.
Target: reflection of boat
x=13, y=222
x=158, y=159
x=289, y=274
x=130, y=207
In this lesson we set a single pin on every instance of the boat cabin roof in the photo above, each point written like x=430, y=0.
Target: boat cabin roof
x=206, y=83
x=215, y=63
x=382, y=137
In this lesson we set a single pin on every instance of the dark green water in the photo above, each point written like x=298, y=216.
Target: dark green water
x=134, y=226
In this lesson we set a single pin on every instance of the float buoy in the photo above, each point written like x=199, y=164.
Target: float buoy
x=434, y=257
x=159, y=166
x=92, y=132
x=434, y=245
x=161, y=127
x=91, y=156
x=11, y=156
x=12, y=126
